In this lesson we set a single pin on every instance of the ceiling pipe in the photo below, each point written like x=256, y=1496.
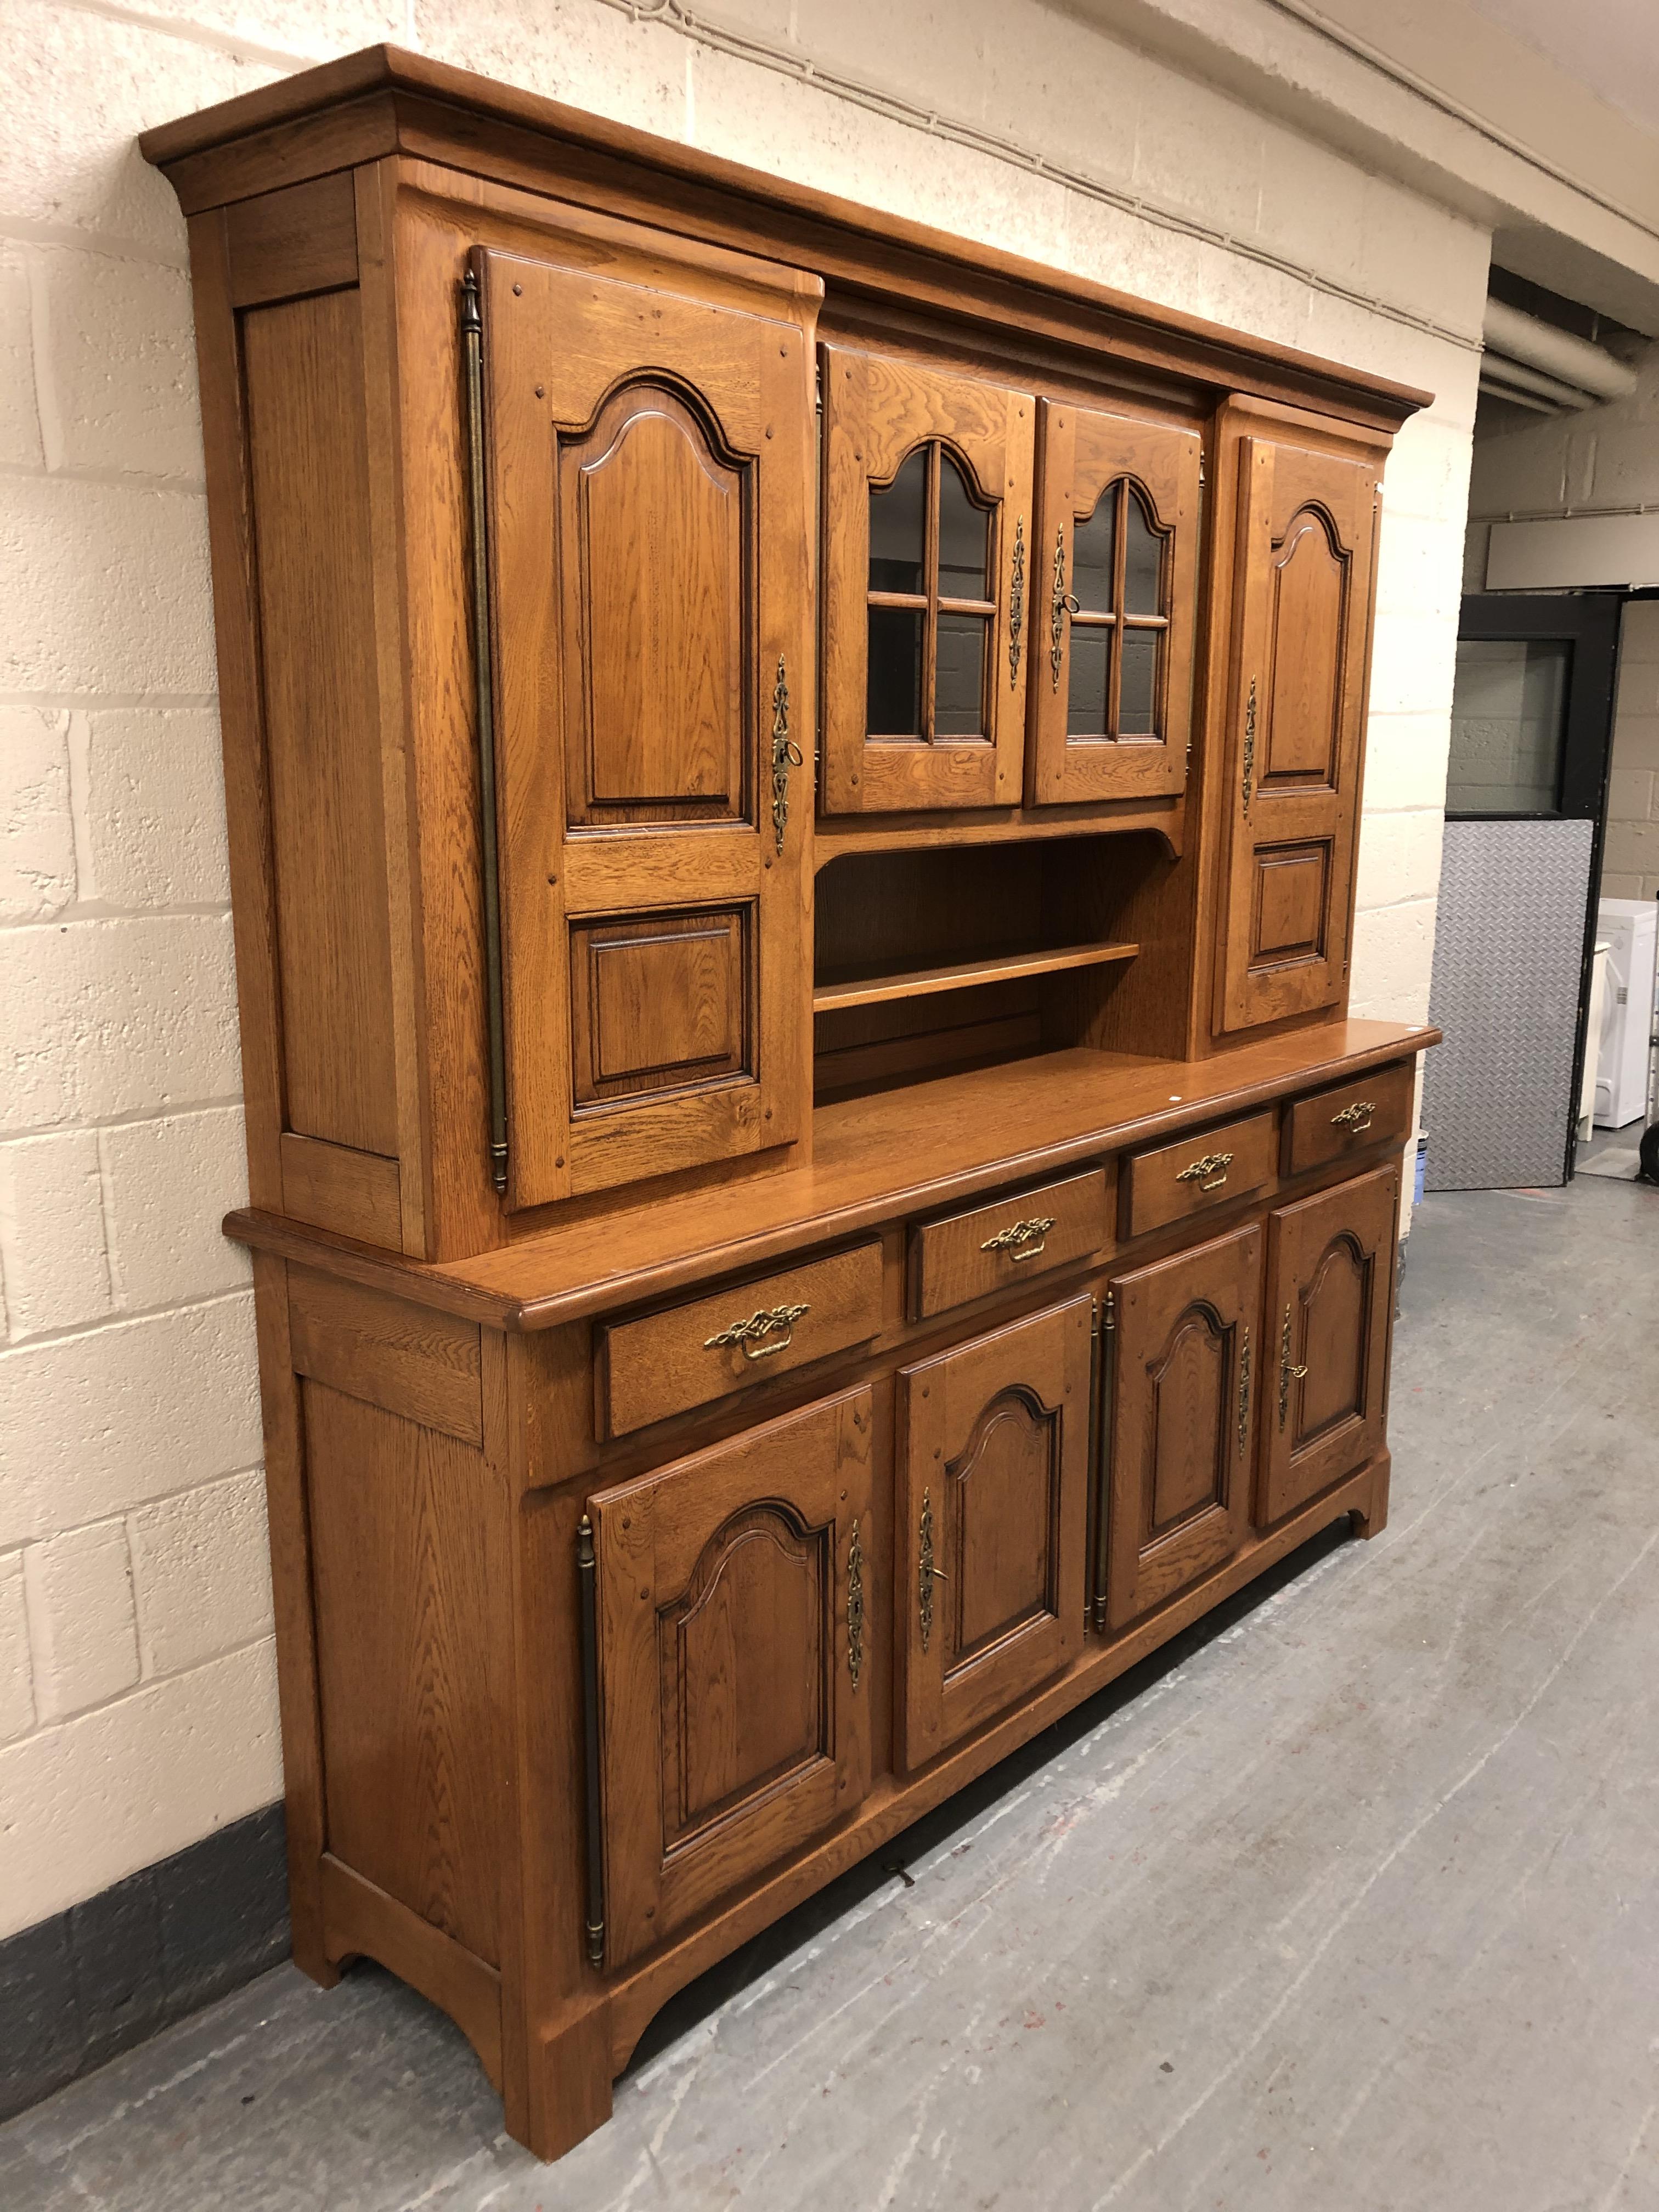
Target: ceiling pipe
x=1508, y=392
x=1540, y=346
x=1521, y=378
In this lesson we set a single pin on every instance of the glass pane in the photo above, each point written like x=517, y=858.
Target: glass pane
x=1143, y=561
x=893, y=689
x=959, y=676
x=1137, y=696
x=898, y=529
x=1091, y=556
x=1508, y=725
x=1085, y=689
x=962, y=529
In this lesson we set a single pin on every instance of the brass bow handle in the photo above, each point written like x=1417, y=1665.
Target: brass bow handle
x=762, y=1335
x=1022, y=1240
x=1208, y=1173
x=1356, y=1118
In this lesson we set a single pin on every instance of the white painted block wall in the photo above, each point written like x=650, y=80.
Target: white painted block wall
x=137, y=1705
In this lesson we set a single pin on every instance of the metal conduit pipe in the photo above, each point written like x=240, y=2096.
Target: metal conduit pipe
x=1540, y=345
x=1490, y=384
x=1518, y=377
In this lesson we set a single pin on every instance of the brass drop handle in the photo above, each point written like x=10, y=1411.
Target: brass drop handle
x=785, y=755
x=1061, y=604
x=1022, y=1240
x=1288, y=1371
x=1357, y=1118
x=762, y=1335
x=1017, y=602
x=927, y=1573
x=1209, y=1173
x=855, y=1606
x=1244, y=1393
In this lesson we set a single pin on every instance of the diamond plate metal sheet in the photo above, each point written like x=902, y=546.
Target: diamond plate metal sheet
x=1508, y=958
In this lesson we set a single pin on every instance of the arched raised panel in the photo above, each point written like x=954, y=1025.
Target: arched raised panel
x=1310, y=579
x=1187, y=1456
x=1004, y=1490
x=1335, y=1329
x=742, y=1651
x=656, y=540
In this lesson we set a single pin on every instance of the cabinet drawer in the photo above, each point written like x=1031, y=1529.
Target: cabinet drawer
x=667, y=1362
x=1183, y=1178
x=1350, y=1117
x=967, y=1255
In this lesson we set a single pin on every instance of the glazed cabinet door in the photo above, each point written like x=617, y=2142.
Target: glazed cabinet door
x=1116, y=579
x=990, y=1572
x=1301, y=592
x=734, y=1714
x=649, y=473
x=1330, y=1302
x=927, y=518
x=1181, y=1362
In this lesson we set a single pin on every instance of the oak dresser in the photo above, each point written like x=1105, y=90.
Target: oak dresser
x=793, y=790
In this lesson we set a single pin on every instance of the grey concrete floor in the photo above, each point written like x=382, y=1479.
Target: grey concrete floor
x=1351, y=1904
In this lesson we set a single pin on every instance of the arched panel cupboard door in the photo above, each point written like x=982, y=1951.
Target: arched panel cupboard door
x=990, y=1574
x=1181, y=1367
x=927, y=588
x=1114, y=598
x=1330, y=1293
x=1304, y=559
x=733, y=1664
x=649, y=474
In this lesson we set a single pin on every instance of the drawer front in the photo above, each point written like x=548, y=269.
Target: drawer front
x=1198, y=1172
x=667, y=1362
x=993, y=1247
x=1349, y=1118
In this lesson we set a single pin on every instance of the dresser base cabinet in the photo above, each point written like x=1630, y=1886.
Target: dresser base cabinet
x=793, y=790
x=568, y=1715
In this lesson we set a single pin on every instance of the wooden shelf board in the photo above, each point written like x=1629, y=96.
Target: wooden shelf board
x=962, y=975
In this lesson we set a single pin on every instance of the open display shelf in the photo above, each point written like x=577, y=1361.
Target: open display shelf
x=873, y=987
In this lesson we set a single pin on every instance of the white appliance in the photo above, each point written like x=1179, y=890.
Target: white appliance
x=1631, y=927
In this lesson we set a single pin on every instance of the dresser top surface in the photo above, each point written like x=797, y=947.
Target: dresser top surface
x=875, y=1160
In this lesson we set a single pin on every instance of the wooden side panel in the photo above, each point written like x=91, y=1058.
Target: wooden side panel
x=410, y=1558
x=360, y=1919
x=356, y=1194
x=307, y=459
x=285, y=244
x=1329, y=1311
x=994, y=1489
x=406, y=1358
x=1302, y=589
x=1113, y=642
x=732, y=1656
x=1188, y=1363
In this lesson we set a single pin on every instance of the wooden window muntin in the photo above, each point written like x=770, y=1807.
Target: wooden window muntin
x=1115, y=622
x=930, y=603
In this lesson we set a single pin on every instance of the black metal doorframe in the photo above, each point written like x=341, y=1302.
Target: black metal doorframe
x=1588, y=622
